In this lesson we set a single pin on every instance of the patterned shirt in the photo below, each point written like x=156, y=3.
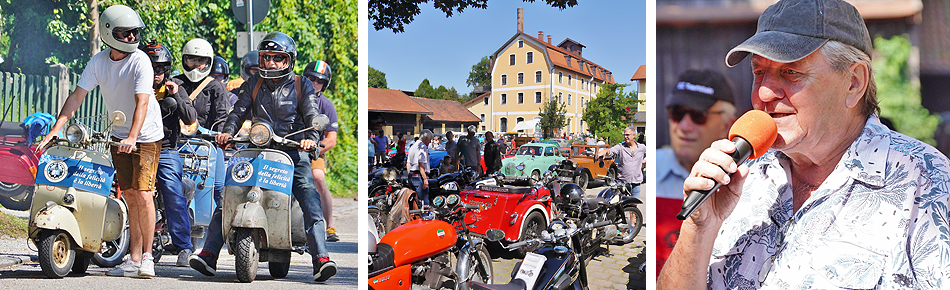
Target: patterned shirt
x=879, y=221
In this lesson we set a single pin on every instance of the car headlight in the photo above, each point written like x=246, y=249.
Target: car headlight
x=55, y=171
x=76, y=133
x=242, y=171
x=452, y=186
x=261, y=134
x=520, y=167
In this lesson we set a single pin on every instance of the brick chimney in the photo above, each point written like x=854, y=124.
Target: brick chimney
x=549, y=39
x=540, y=35
x=520, y=20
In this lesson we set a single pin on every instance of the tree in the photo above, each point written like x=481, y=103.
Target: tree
x=480, y=74
x=395, y=14
x=425, y=90
x=899, y=95
x=377, y=79
x=552, y=117
x=610, y=111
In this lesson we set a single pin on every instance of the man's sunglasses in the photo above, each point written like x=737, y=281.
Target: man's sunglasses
x=161, y=68
x=699, y=118
x=195, y=59
x=317, y=80
x=123, y=33
x=275, y=58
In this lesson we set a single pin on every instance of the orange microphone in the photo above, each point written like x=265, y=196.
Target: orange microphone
x=753, y=134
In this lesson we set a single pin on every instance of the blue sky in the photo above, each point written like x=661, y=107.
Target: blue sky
x=444, y=49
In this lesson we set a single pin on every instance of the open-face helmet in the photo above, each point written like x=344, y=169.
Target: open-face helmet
x=320, y=71
x=249, y=61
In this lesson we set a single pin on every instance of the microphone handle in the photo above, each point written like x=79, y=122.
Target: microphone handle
x=698, y=197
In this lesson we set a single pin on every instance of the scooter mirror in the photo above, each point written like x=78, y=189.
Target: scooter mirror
x=495, y=235
x=118, y=118
x=321, y=122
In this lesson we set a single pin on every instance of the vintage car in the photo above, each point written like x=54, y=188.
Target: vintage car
x=582, y=165
x=522, y=212
x=531, y=159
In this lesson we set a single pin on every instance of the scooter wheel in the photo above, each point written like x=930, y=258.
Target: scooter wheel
x=16, y=196
x=82, y=262
x=56, y=254
x=278, y=269
x=246, y=256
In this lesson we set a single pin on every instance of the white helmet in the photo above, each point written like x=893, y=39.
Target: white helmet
x=201, y=49
x=120, y=19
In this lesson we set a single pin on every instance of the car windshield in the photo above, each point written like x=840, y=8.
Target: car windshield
x=529, y=150
x=582, y=151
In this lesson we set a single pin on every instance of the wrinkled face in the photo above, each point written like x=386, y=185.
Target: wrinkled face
x=274, y=60
x=806, y=99
x=629, y=135
x=691, y=132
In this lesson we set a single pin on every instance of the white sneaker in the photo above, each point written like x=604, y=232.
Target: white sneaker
x=126, y=269
x=148, y=266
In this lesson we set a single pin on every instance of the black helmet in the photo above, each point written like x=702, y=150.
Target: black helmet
x=319, y=70
x=158, y=53
x=571, y=193
x=250, y=60
x=281, y=43
x=220, y=66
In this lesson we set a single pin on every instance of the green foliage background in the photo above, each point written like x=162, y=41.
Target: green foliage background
x=898, y=94
x=35, y=34
x=552, y=117
x=606, y=114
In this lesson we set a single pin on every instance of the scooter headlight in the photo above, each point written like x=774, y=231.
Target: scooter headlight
x=261, y=134
x=242, y=171
x=188, y=130
x=254, y=196
x=55, y=171
x=77, y=133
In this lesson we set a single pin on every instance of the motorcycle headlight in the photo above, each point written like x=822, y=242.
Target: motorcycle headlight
x=261, y=134
x=77, y=133
x=242, y=171
x=55, y=171
x=453, y=186
x=390, y=175
x=253, y=195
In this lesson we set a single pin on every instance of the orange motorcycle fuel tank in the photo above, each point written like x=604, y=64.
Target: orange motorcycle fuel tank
x=419, y=239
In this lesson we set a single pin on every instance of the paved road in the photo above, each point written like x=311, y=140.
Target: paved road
x=619, y=269
x=29, y=276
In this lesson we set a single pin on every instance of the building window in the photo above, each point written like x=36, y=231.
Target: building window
x=559, y=100
x=530, y=57
x=521, y=98
x=504, y=80
x=511, y=59
x=483, y=128
x=560, y=77
x=483, y=117
x=568, y=125
x=568, y=99
x=520, y=43
x=485, y=100
x=582, y=102
x=569, y=77
x=504, y=99
x=537, y=97
x=503, y=125
x=519, y=120
x=520, y=78
x=568, y=60
x=537, y=76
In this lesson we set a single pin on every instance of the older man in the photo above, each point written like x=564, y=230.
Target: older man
x=418, y=165
x=701, y=110
x=840, y=201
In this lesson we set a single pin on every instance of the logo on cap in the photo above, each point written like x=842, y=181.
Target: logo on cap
x=687, y=86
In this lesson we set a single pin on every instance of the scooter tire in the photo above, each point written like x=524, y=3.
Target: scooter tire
x=246, y=255
x=16, y=196
x=56, y=254
x=82, y=262
x=278, y=269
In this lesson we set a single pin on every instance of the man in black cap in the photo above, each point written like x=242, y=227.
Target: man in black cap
x=700, y=110
x=840, y=201
x=466, y=152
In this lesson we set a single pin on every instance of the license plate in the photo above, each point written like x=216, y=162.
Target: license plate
x=531, y=269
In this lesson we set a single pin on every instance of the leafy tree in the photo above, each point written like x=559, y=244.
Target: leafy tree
x=395, y=14
x=610, y=111
x=898, y=94
x=552, y=117
x=377, y=79
x=480, y=74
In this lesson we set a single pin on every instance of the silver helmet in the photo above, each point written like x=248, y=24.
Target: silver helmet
x=200, y=50
x=117, y=25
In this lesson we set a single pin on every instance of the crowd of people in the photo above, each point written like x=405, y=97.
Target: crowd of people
x=135, y=77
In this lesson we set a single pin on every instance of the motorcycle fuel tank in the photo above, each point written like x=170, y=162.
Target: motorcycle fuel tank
x=418, y=239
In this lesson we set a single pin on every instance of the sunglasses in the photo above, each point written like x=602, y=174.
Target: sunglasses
x=161, y=68
x=275, y=58
x=317, y=80
x=123, y=33
x=699, y=118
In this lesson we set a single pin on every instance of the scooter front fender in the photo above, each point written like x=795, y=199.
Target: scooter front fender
x=57, y=217
x=249, y=215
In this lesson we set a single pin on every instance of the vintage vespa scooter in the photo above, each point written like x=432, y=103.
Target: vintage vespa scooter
x=73, y=212
x=261, y=220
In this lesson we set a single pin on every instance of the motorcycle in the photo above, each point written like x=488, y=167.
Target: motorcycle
x=261, y=219
x=72, y=212
x=619, y=197
x=20, y=161
x=420, y=252
x=552, y=264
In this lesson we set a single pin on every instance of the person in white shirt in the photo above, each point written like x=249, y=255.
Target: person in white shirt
x=418, y=165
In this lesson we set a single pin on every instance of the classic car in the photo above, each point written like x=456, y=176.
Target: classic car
x=583, y=165
x=531, y=159
x=522, y=212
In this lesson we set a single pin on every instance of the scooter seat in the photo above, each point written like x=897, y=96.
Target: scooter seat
x=515, y=284
x=596, y=203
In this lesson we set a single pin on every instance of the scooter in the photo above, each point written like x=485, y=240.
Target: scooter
x=73, y=212
x=435, y=251
x=199, y=160
x=19, y=160
x=261, y=220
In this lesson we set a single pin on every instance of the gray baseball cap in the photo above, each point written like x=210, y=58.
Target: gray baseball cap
x=790, y=30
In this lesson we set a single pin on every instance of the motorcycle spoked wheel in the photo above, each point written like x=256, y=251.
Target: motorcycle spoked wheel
x=480, y=265
x=16, y=196
x=632, y=221
x=246, y=255
x=56, y=254
x=532, y=227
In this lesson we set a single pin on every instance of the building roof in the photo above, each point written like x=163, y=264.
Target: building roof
x=393, y=101
x=476, y=99
x=641, y=73
x=446, y=111
x=557, y=55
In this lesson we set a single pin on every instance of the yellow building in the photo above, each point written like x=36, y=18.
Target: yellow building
x=640, y=117
x=527, y=71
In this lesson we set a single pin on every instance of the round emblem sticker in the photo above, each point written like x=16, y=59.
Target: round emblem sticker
x=440, y=233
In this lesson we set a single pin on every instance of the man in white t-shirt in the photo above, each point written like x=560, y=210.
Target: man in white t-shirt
x=124, y=76
x=418, y=165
